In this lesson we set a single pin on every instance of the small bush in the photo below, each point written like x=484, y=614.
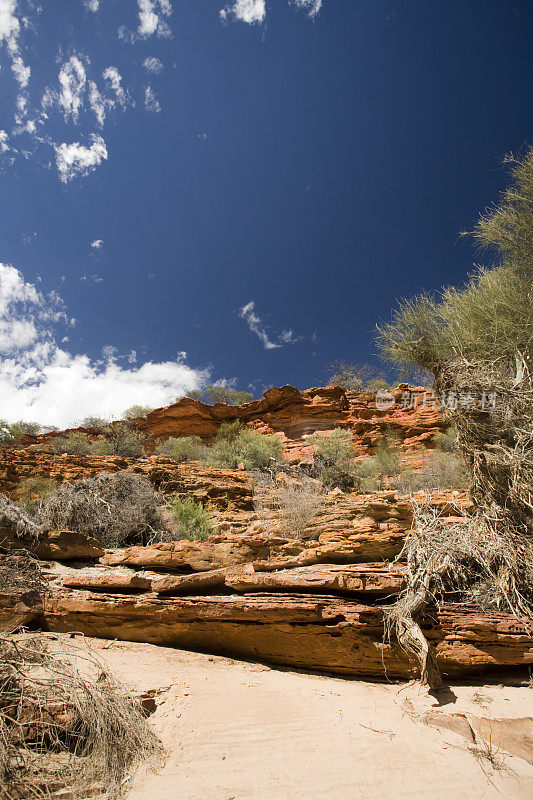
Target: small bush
x=192, y=519
x=182, y=448
x=443, y=470
x=119, y=510
x=290, y=506
x=235, y=444
x=446, y=441
x=120, y=440
x=12, y=432
x=94, y=422
x=379, y=471
x=20, y=572
x=16, y=521
x=221, y=394
x=377, y=384
x=356, y=377
x=136, y=411
x=333, y=459
x=33, y=491
x=75, y=444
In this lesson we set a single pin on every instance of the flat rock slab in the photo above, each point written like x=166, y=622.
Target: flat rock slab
x=55, y=545
x=317, y=632
x=371, y=579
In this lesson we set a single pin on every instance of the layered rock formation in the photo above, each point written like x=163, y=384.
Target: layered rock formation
x=293, y=415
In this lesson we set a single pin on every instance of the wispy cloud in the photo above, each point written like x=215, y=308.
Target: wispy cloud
x=97, y=244
x=91, y=5
x=153, y=65
x=9, y=35
x=41, y=380
x=151, y=103
x=256, y=325
x=311, y=6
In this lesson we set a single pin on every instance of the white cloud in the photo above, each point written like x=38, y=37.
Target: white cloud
x=4, y=147
x=255, y=325
x=97, y=103
x=92, y=5
x=92, y=278
x=151, y=103
x=311, y=6
x=153, y=65
x=9, y=33
x=114, y=78
x=249, y=11
x=74, y=160
x=151, y=20
x=70, y=97
x=39, y=380
x=97, y=244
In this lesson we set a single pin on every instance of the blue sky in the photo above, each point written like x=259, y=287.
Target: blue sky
x=194, y=191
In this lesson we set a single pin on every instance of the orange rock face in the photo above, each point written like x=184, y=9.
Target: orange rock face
x=293, y=415
x=308, y=631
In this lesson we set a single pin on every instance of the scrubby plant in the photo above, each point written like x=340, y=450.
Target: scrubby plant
x=94, y=422
x=75, y=444
x=120, y=439
x=234, y=445
x=376, y=384
x=193, y=521
x=66, y=730
x=119, y=510
x=446, y=441
x=136, y=411
x=16, y=521
x=333, y=459
x=221, y=394
x=442, y=470
x=477, y=341
x=356, y=377
x=20, y=572
x=290, y=505
x=384, y=467
x=32, y=492
x=182, y=448
x=12, y=432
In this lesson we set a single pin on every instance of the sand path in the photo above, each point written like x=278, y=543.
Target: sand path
x=242, y=731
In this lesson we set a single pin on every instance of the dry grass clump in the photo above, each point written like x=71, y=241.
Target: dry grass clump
x=290, y=505
x=20, y=572
x=66, y=725
x=16, y=521
x=463, y=558
x=119, y=510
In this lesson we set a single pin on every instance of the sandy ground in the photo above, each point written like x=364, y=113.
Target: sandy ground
x=242, y=731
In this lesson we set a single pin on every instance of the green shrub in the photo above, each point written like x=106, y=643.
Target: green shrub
x=221, y=394
x=32, y=492
x=182, y=448
x=376, y=384
x=193, y=521
x=12, y=432
x=136, y=411
x=443, y=470
x=235, y=444
x=120, y=440
x=446, y=441
x=94, y=422
x=377, y=472
x=333, y=459
x=75, y=444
